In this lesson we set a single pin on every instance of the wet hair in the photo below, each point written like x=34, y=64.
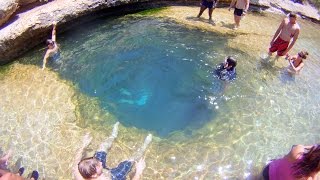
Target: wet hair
x=50, y=42
x=303, y=54
x=88, y=167
x=231, y=62
x=293, y=14
x=310, y=163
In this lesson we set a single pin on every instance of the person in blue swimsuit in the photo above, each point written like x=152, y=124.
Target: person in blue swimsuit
x=210, y=4
x=95, y=167
x=53, y=48
x=227, y=70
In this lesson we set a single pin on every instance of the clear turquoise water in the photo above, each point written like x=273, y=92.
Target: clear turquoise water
x=257, y=118
x=150, y=73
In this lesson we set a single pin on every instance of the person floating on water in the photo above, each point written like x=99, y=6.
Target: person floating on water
x=240, y=9
x=302, y=162
x=227, y=70
x=53, y=47
x=296, y=62
x=95, y=167
x=288, y=30
x=210, y=4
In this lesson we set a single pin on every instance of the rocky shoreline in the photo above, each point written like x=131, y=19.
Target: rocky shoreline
x=29, y=28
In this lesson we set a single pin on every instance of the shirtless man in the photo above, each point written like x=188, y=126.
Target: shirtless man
x=288, y=29
x=240, y=9
x=52, y=46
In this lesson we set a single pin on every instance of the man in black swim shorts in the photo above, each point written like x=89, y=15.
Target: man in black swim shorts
x=240, y=9
x=210, y=4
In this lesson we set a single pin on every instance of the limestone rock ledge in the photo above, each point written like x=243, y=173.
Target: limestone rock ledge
x=32, y=27
x=7, y=8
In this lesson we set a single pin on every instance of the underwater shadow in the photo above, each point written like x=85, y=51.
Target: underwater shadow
x=285, y=77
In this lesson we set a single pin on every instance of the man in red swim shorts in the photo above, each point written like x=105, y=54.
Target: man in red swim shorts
x=288, y=29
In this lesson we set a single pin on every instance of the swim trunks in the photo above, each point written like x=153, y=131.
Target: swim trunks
x=280, y=46
x=120, y=172
x=207, y=4
x=238, y=12
x=102, y=157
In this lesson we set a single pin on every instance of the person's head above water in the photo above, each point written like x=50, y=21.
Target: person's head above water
x=90, y=168
x=230, y=63
x=50, y=43
x=303, y=54
x=309, y=165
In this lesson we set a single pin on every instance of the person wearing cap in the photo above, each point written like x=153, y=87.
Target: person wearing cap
x=285, y=36
x=53, y=47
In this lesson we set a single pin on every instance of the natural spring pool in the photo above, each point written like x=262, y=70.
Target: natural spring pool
x=154, y=74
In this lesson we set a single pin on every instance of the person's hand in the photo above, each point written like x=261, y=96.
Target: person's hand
x=86, y=140
x=140, y=166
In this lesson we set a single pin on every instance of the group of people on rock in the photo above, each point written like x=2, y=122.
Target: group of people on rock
x=282, y=42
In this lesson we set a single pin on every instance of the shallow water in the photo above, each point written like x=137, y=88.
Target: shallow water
x=256, y=118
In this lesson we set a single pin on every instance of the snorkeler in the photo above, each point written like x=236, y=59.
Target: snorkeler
x=227, y=70
x=52, y=45
x=95, y=167
x=296, y=62
x=210, y=4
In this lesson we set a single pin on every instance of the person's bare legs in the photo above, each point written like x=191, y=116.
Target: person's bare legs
x=202, y=8
x=138, y=155
x=210, y=14
x=106, y=145
x=237, y=21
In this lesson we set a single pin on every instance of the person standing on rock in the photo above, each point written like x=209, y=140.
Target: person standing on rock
x=240, y=9
x=210, y=4
x=52, y=51
x=288, y=30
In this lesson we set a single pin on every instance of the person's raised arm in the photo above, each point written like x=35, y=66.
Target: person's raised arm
x=277, y=32
x=54, y=31
x=85, y=142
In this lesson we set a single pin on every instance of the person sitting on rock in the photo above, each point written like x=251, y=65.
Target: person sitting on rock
x=95, y=167
x=53, y=48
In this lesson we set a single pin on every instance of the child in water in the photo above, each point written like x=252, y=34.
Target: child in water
x=296, y=62
x=226, y=71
